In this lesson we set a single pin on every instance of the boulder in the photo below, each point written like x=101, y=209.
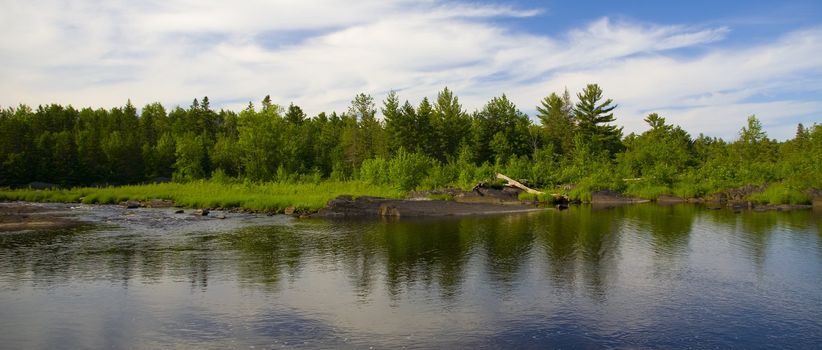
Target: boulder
x=346, y=206
x=201, y=212
x=160, y=203
x=611, y=197
x=669, y=199
x=130, y=204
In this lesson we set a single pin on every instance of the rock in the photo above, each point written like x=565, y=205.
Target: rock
x=486, y=195
x=739, y=205
x=816, y=198
x=160, y=203
x=201, y=212
x=130, y=204
x=739, y=194
x=610, y=197
x=669, y=199
x=346, y=206
x=221, y=217
x=179, y=211
x=387, y=209
x=289, y=211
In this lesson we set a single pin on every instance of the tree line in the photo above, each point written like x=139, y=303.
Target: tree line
x=434, y=143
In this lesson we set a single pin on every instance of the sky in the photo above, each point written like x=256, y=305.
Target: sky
x=703, y=65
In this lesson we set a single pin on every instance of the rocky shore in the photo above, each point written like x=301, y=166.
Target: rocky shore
x=21, y=216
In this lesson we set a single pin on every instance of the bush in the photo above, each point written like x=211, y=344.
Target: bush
x=407, y=170
x=780, y=194
x=374, y=171
x=646, y=189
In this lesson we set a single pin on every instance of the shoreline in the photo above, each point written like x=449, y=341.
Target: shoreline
x=18, y=216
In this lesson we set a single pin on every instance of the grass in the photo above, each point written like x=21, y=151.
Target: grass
x=542, y=198
x=646, y=190
x=207, y=194
x=441, y=197
x=779, y=194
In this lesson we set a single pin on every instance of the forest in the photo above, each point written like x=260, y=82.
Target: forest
x=576, y=146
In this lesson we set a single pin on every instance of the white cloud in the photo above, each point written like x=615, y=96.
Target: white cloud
x=318, y=54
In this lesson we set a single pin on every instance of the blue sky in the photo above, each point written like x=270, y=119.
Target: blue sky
x=703, y=65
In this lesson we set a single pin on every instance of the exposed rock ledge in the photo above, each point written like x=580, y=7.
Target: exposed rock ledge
x=611, y=197
x=346, y=206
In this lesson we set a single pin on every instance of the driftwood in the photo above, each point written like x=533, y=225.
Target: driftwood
x=516, y=184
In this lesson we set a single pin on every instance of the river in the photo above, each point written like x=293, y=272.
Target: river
x=646, y=276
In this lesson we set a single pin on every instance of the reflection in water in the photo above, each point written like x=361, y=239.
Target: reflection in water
x=639, y=275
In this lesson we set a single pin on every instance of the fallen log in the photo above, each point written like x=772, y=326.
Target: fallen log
x=517, y=184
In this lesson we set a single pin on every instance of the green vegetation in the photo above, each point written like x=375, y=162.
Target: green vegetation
x=780, y=194
x=209, y=194
x=273, y=151
x=530, y=197
x=441, y=197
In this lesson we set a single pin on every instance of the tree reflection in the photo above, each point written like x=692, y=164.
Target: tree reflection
x=577, y=249
x=266, y=253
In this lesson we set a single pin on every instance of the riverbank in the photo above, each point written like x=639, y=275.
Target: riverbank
x=336, y=198
x=262, y=198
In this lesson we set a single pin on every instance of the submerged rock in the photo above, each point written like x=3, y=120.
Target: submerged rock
x=347, y=206
x=609, y=197
x=669, y=199
x=130, y=204
x=160, y=203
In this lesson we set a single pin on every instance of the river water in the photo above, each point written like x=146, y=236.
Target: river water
x=639, y=276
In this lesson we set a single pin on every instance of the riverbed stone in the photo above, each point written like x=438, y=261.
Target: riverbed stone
x=131, y=204
x=608, y=197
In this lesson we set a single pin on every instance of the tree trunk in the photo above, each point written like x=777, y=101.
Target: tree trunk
x=516, y=184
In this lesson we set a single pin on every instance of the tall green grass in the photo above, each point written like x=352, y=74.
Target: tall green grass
x=207, y=194
x=780, y=194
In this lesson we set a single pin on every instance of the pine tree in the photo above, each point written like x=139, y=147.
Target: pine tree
x=592, y=118
x=556, y=115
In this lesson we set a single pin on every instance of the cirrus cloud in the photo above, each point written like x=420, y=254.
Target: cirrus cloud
x=318, y=54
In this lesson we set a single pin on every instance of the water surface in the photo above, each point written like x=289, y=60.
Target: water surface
x=634, y=276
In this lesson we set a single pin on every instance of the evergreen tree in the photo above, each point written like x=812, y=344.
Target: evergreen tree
x=556, y=115
x=500, y=131
x=592, y=116
x=371, y=137
x=450, y=127
x=295, y=114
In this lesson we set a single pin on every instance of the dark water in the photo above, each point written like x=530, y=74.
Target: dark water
x=642, y=276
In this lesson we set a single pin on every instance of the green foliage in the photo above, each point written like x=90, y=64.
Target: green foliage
x=429, y=145
x=210, y=194
x=646, y=189
x=780, y=193
x=658, y=155
x=407, y=170
x=440, y=176
x=557, y=117
x=375, y=171
x=535, y=197
x=441, y=197
x=500, y=131
x=404, y=171
x=593, y=118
